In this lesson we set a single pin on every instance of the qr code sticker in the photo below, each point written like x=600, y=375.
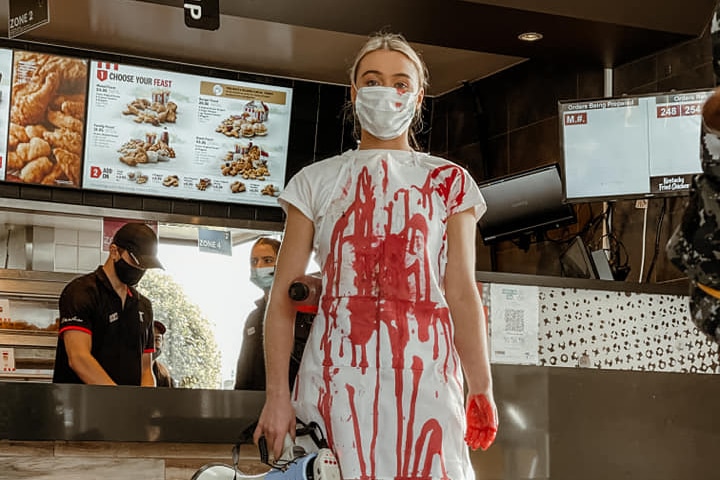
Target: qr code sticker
x=514, y=321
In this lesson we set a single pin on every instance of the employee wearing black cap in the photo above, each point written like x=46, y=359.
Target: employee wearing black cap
x=106, y=325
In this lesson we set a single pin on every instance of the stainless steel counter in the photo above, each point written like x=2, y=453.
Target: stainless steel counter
x=42, y=411
x=559, y=423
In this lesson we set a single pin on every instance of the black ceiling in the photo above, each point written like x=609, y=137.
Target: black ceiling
x=607, y=33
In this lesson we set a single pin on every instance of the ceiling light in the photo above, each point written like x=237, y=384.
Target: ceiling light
x=530, y=36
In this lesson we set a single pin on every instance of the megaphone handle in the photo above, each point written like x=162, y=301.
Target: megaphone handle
x=288, y=446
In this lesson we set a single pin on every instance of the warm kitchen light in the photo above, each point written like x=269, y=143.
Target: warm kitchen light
x=530, y=36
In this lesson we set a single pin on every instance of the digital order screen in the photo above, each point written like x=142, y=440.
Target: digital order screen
x=631, y=146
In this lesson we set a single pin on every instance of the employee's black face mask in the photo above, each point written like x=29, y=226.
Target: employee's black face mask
x=128, y=274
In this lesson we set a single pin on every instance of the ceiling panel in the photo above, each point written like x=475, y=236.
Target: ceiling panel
x=577, y=30
x=242, y=44
x=688, y=17
x=461, y=40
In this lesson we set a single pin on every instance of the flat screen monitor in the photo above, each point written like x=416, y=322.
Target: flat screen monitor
x=628, y=147
x=530, y=202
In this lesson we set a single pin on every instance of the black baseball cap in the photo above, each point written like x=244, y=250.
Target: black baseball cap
x=141, y=243
x=160, y=326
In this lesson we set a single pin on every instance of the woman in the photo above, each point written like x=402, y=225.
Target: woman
x=250, y=370
x=400, y=317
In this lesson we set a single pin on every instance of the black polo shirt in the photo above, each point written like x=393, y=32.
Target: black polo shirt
x=250, y=370
x=120, y=335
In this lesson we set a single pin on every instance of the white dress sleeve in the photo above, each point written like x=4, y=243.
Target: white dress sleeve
x=465, y=194
x=298, y=193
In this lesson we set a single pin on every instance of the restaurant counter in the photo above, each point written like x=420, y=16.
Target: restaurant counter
x=45, y=411
x=622, y=410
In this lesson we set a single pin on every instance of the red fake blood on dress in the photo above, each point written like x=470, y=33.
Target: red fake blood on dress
x=392, y=284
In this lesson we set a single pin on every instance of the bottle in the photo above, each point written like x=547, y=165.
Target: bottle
x=305, y=293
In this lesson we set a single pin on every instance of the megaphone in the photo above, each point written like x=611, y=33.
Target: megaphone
x=296, y=463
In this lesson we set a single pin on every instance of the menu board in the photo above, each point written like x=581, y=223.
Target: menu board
x=639, y=146
x=5, y=76
x=47, y=118
x=171, y=134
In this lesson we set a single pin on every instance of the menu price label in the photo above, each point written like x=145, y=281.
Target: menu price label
x=632, y=146
x=7, y=359
x=177, y=135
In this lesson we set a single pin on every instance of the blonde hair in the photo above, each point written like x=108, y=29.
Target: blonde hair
x=394, y=42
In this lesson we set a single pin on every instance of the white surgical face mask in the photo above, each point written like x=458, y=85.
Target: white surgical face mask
x=383, y=112
x=262, y=277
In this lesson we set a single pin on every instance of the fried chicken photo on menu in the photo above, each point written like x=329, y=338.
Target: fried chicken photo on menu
x=30, y=100
x=159, y=110
x=35, y=131
x=73, y=105
x=35, y=148
x=35, y=171
x=47, y=115
x=16, y=135
x=69, y=163
x=66, y=139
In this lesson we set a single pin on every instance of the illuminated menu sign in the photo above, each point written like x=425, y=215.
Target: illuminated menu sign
x=631, y=146
x=47, y=119
x=5, y=77
x=156, y=132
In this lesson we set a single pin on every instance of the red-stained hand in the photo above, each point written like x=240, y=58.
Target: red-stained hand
x=482, y=422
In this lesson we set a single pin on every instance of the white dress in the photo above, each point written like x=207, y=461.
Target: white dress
x=380, y=372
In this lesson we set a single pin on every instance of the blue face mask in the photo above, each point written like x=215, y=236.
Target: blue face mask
x=262, y=277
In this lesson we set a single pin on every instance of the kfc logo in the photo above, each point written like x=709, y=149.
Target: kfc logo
x=103, y=70
x=95, y=172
